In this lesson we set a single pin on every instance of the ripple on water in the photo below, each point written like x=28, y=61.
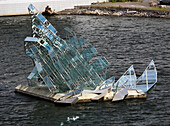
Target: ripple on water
x=122, y=40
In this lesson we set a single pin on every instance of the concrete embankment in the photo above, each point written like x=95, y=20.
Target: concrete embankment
x=115, y=11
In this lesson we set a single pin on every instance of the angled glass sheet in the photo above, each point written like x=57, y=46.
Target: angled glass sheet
x=45, y=67
x=69, y=83
x=96, y=82
x=39, y=67
x=149, y=75
x=67, y=80
x=110, y=80
x=130, y=74
x=104, y=76
x=29, y=54
x=51, y=53
x=50, y=36
x=89, y=52
x=57, y=42
x=57, y=61
x=74, y=75
x=83, y=70
x=47, y=46
x=105, y=61
x=34, y=49
x=74, y=92
x=63, y=60
x=74, y=59
x=108, y=83
x=66, y=76
x=61, y=47
x=144, y=87
x=41, y=17
x=64, y=46
x=31, y=39
x=128, y=79
x=58, y=38
x=67, y=31
x=52, y=29
x=95, y=77
x=100, y=64
x=82, y=41
x=91, y=84
x=31, y=8
x=120, y=83
x=80, y=74
x=73, y=41
x=32, y=74
x=42, y=28
x=48, y=82
x=59, y=67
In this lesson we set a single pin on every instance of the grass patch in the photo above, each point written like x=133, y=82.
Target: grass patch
x=113, y=1
x=162, y=9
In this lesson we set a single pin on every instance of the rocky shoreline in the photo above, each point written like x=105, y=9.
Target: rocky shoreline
x=115, y=11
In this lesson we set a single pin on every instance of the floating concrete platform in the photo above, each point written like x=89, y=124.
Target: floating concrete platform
x=69, y=101
x=134, y=94
x=38, y=92
x=62, y=98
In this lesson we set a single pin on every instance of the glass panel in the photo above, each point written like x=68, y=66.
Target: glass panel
x=41, y=27
x=47, y=46
x=41, y=17
x=51, y=53
x=29, y=54
x=67, y=31
x=50, y=36
x=100, y=64
x=52, y=29
x=58, y=62
x=128, y=79
x=89, y=53
x=48, y=82
x=110, y=80
x=31, y=8
x=150, y=75
x=56, y=42
x=74, y=42
x=108, y=83
x=82, y=41
x=31, y=39
x=105, y=61
x=34, y=49
x=39, y=66
x=34, y=71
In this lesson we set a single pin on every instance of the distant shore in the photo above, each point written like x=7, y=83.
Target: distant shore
x=118, y=9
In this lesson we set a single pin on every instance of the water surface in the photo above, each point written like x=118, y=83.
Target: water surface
x=122, y=40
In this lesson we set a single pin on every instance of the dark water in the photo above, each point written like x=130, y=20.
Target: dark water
x=122, y=40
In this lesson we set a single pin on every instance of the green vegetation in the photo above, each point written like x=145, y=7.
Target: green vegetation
x=162, y=9
x=126, y=1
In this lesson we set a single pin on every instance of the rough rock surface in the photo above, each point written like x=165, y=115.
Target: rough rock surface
x=115, y=11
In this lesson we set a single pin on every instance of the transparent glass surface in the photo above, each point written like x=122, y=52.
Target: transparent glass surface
x=41, y=17
x=58, y=63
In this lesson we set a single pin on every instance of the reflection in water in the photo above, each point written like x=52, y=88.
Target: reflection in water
x=122, y=40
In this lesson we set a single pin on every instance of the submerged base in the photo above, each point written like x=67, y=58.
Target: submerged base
x=37, y=92
x=62, y=98
x=135, y=94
